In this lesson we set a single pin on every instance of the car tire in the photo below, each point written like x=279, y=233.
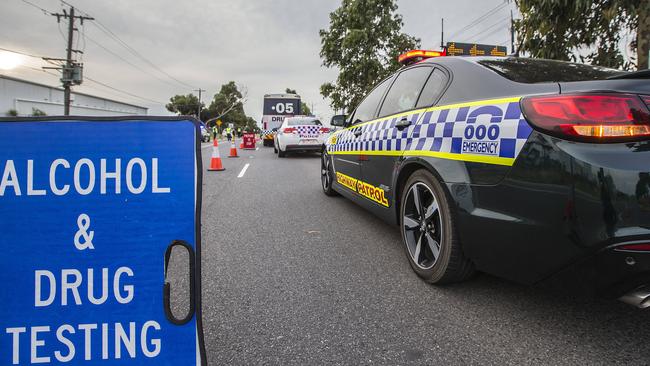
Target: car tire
x=281, y=154
x=423, y=197
x=327, y=175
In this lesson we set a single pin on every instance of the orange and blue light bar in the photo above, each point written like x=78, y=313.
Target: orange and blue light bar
x=418, y=55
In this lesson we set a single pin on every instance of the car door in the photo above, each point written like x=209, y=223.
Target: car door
x=347, y=147
x=413, y=90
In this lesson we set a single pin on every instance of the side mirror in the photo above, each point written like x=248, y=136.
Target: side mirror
x=274, y=129
x=338, y=120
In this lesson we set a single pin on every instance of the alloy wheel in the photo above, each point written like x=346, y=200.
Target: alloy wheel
x=326, y=178
x=422, y=229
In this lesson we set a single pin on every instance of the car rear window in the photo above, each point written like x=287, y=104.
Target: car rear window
x=528, y=70
x=303, y=122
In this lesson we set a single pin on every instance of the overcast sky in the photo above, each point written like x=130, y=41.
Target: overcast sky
x=262, y=44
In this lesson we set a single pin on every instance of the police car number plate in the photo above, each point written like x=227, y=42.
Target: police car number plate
x=308, y=141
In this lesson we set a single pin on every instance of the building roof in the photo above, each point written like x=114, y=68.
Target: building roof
x=73, y=92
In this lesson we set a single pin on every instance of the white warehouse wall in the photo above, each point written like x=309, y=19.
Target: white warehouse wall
x=23, y=95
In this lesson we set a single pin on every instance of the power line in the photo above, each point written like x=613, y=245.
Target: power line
x=20, y=53
x=123, y=91
x=127, y=61
x=131, y=50
x=481, y=34
x=45, y=11
x=498, y=29
x=71, y=69
x=478, y=20
x=137, y=54
x=99, y=83
x=37, y=69
x=90, y=79
x=504, y=43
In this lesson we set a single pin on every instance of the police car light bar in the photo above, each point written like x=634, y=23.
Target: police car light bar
x=419, y=55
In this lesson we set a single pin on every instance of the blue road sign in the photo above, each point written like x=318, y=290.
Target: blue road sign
x=89, y=210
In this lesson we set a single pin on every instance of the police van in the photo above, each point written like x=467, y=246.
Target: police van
x=276, y=108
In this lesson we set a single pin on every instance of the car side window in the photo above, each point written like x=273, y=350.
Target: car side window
x=367, y=108
x=432, y=89
x=404, y=93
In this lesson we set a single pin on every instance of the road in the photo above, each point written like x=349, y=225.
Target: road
x=291, y=276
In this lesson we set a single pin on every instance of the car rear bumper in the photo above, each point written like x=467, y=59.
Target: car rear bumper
x=314, y=147
x=609, y=273
x=292, y=141
x=560, y=214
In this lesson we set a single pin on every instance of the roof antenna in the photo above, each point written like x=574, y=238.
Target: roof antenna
x=442, y=34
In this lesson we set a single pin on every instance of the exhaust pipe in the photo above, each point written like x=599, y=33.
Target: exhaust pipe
x=639, y=297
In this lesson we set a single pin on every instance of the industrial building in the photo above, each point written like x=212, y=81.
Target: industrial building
x=27, y=98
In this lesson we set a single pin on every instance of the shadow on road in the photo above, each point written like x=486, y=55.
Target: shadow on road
x=510, y=310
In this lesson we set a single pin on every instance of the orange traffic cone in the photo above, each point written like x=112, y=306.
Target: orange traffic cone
x=215, y=160
x=241, y=144
x=233, y=150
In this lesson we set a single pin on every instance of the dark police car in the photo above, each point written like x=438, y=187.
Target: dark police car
x=532, y=170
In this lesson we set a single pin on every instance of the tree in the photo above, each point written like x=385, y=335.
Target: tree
x=184, y=104
x=363, y=41
x=304, y=108
x=585, y=30
x=251, y=125
x=12, y=113
x=228, y=105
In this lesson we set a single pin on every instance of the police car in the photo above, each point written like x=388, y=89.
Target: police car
x=532, y=170
x=205, y=132
x=299, y=134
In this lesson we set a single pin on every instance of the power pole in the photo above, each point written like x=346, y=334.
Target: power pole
x=198, y=112
x=71, y=70
x=512, y=33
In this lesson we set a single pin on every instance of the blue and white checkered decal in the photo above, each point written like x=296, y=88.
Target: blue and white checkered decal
x=492, y=131
x=308, y=131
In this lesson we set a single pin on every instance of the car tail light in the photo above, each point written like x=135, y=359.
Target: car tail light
x=289, y=130
x=590, y=117
x=324, y=130
x=642, y=247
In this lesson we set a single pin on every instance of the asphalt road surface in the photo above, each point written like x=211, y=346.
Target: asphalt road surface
x=291, y=276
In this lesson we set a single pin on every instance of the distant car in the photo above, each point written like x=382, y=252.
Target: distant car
x=532, y=170
x=300, y=134
x=205, y=133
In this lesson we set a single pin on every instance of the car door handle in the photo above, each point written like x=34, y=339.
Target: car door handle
x=402, y=123
x=357, y=132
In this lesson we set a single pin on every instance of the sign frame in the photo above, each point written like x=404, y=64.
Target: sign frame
x=195, y=262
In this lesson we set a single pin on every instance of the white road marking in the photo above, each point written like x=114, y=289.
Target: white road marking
x=243, y=171
x=257, y=148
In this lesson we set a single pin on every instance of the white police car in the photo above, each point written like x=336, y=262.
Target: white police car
x=300, y=134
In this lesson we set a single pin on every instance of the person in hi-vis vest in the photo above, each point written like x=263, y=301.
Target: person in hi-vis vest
x=229, y=133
